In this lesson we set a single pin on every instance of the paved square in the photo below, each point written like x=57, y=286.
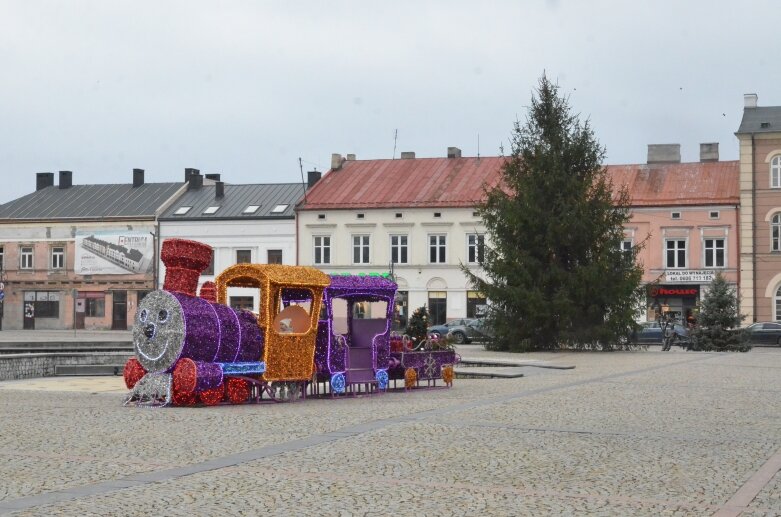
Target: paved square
x=635, y=433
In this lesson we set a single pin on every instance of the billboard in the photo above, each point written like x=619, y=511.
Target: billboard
x=114, y=253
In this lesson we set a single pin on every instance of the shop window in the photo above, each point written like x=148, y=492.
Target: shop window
x=243, y=256
x=95, y=307
x=399, y=249
x=26, y=257
x=361, y=249
x=775, y=172
x=58, y=257
x=476, y=304
x=778, y=304
x=47, y=304
x=437, y=307
x=437, y=249
x=714, y=252
x=274, y=257
x=675, y=253
x=322, y=249
x=401, y=310
x=475, y=247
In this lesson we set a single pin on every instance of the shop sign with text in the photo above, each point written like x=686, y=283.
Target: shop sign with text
x=674, y=291
x=699, y=276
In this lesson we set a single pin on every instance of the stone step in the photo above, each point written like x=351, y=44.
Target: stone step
x=89, y=369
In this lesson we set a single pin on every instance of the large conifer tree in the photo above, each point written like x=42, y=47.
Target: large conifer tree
x=555, y=274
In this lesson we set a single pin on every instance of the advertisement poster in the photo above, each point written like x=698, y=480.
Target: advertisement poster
x=113, y=253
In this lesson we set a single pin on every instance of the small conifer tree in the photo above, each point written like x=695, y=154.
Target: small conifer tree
x=417, y=326
x=719, y=320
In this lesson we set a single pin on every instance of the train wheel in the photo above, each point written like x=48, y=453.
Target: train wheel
x=184, y=398
x=212, y=397
x=237, y=390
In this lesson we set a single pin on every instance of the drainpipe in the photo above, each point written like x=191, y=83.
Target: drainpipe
x=754, y=223
x=297, y=251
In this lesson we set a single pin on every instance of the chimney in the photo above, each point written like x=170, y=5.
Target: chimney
x=219, y=189
x=195, y=181
x=664, y=153
x=188, y=172
x=313, y=177
x=408, y=155
x=43, y=180
x=336, y=161
x=213, y=177
x=709, y=152
x=453, y=152
x=138, y=177
x=750, y=100
x=350, y=157
x=66, y=179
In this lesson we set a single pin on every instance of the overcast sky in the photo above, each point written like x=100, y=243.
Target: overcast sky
x=246, y=88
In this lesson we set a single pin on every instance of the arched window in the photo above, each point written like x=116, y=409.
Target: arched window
x=775, y=232
x=777, y=303
x=775, y=172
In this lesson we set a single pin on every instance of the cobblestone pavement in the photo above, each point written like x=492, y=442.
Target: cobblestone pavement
x=630, y=433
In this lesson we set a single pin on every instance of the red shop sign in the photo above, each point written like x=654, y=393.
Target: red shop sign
x=665, y=291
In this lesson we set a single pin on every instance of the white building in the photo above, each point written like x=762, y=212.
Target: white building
x=412, y=216
x=243, y=223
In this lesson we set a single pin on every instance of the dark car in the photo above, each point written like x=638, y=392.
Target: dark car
x=442, y=330
x=764, y=333
x=476, y=330
x=650, y=333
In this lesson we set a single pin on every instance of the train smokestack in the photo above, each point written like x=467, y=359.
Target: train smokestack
x=184, y=261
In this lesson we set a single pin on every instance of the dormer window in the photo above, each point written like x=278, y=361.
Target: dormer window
x=211, y=210
x=182, y=210
x=279, y=209
x=251, y=209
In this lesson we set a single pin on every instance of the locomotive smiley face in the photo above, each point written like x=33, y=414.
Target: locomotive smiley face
x=158, y=332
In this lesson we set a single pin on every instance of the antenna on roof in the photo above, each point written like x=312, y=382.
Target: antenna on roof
x=478, y=146
x=395, y=137
x=301, y=168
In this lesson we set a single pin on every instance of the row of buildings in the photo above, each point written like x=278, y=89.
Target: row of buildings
x=83, y=256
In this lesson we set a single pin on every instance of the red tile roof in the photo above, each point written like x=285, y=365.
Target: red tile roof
x=459, y=182
x=419, y=182
x=666, y=184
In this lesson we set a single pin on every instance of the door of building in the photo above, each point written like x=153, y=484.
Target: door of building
x=81, y=307
x=119, y=310
x=29, y=310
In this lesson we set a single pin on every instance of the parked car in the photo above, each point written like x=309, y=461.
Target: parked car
x=442, y=330
x=764, y=333
x=476, y=330
x=650, y=333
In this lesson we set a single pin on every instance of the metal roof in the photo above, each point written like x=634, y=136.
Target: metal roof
x=90, y=202
x=697, y=183
x=405, y=183
x=235, y=200
x=764, y=119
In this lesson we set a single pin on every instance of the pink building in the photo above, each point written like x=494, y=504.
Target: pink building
x=685, y=216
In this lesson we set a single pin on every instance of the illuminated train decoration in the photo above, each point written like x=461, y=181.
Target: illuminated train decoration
x=197, y=350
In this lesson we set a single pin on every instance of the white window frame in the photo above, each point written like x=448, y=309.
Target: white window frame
x=23, y=256
x=439, y=246
x=775, y=171
x=775, y=232
x=777, y=304
x=714, y=249
x=57, y=255
x=476, y=246
x=398, y=247
x=322, y=246
x=363, y=246
x=676, y=249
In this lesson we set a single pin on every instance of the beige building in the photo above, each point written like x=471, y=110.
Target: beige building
x=79, y=256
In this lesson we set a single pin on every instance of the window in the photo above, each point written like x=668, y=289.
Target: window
x=359, y=216
x=437, y=214
x=714, y=252
x=322, y=249
x=676, y=253
x=47, y=303
x=1, y=258
x=675, y=215
x=475, y=214
x=401, y=310
x=210, y=268
x=399, y=215
x=476, y=304
x=775, y=232
x=437, y=307
x=243, y=256
x=475, y=243
x=182, y=210
x=399, y=250
x=58, y=257
x=274, y=257
x=321, y=217
x=775, y=172
x=242, y=303
x=279, y=209
x=778, y=305
x=437, y=249
x=211, y=210
x=26, y=258
x=251, y=209
x=714, y=214
x=95, y=307
x=360, y=249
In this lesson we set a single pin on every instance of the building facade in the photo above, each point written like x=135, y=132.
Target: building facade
x=79, y=256
x=759, y=140
x=243, y=223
